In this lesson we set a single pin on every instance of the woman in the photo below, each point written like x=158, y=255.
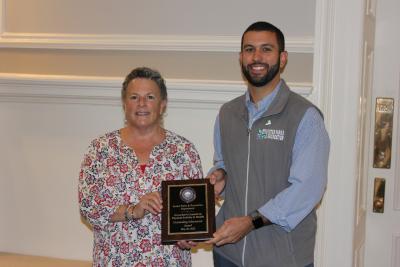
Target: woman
x=121, y=174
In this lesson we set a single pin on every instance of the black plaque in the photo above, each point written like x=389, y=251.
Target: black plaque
x=188, y=210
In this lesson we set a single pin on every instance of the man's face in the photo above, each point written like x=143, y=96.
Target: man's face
x=260, y=58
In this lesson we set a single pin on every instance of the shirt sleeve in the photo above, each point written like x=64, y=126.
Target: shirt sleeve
x=218, y=159
x=308, y=174
x=195, y=168
x=96, y=202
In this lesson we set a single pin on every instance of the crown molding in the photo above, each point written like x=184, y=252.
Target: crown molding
x=199, y=43
x=182, y=93
x=132, y=42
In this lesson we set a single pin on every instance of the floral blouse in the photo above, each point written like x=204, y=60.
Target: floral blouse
x=111, y=176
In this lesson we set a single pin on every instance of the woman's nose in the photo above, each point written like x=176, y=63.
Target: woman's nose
x=142, y=101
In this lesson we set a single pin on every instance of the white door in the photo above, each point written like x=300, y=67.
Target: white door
x=382, y=222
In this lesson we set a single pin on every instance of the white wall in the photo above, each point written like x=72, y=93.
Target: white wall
x=43, y=144
x=47, y=123
x=40, y=163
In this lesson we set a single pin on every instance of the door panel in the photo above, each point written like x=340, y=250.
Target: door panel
x=382, y=246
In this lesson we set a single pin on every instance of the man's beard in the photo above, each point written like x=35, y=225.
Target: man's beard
x=259, y=82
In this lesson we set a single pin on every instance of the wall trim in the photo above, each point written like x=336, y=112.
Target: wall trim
x=199, y=43
x=322, y=77
x=337, y=67
x=183, y=93
x=195, y=43
x=207, y=43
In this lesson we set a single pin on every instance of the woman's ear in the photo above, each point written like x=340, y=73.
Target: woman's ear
x=163, y=107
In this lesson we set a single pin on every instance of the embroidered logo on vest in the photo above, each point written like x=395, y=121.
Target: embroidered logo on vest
x=272, y=134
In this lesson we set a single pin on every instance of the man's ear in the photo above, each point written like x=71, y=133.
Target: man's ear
x=284, y=59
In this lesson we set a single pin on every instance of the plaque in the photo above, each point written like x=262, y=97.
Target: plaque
x=188, y=210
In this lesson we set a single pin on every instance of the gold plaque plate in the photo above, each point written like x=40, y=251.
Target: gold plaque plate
x=383, y=132
x=379, y=195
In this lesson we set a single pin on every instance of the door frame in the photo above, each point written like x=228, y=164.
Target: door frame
x=337, y=83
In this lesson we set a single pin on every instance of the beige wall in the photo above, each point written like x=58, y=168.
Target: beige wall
x=56, y=59
x=173, y=17
x=172, y=64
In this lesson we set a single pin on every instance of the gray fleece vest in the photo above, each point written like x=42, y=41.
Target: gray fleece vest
x=263, y=154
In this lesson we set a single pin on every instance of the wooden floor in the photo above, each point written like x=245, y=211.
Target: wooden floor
x=17, y=260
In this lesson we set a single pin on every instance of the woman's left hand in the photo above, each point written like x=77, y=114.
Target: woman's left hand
x=151, y=202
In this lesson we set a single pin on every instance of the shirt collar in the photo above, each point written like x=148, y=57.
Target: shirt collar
x=264, y=103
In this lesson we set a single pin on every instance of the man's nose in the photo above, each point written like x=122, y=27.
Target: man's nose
x=257, y=55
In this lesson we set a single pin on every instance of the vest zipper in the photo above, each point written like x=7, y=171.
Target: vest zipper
x=247, y=188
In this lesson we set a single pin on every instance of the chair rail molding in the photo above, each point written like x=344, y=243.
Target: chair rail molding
x=183, y=93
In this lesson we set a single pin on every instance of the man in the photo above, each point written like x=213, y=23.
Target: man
x=270, y=163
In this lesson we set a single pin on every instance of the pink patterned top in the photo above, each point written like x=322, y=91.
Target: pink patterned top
x=111, y=176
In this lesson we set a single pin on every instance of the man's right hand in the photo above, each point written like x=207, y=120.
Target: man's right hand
x=217, y=178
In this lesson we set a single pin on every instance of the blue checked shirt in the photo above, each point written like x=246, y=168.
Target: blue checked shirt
x=308, y=173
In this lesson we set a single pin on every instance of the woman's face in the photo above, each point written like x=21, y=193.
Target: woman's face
x=143, y=105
